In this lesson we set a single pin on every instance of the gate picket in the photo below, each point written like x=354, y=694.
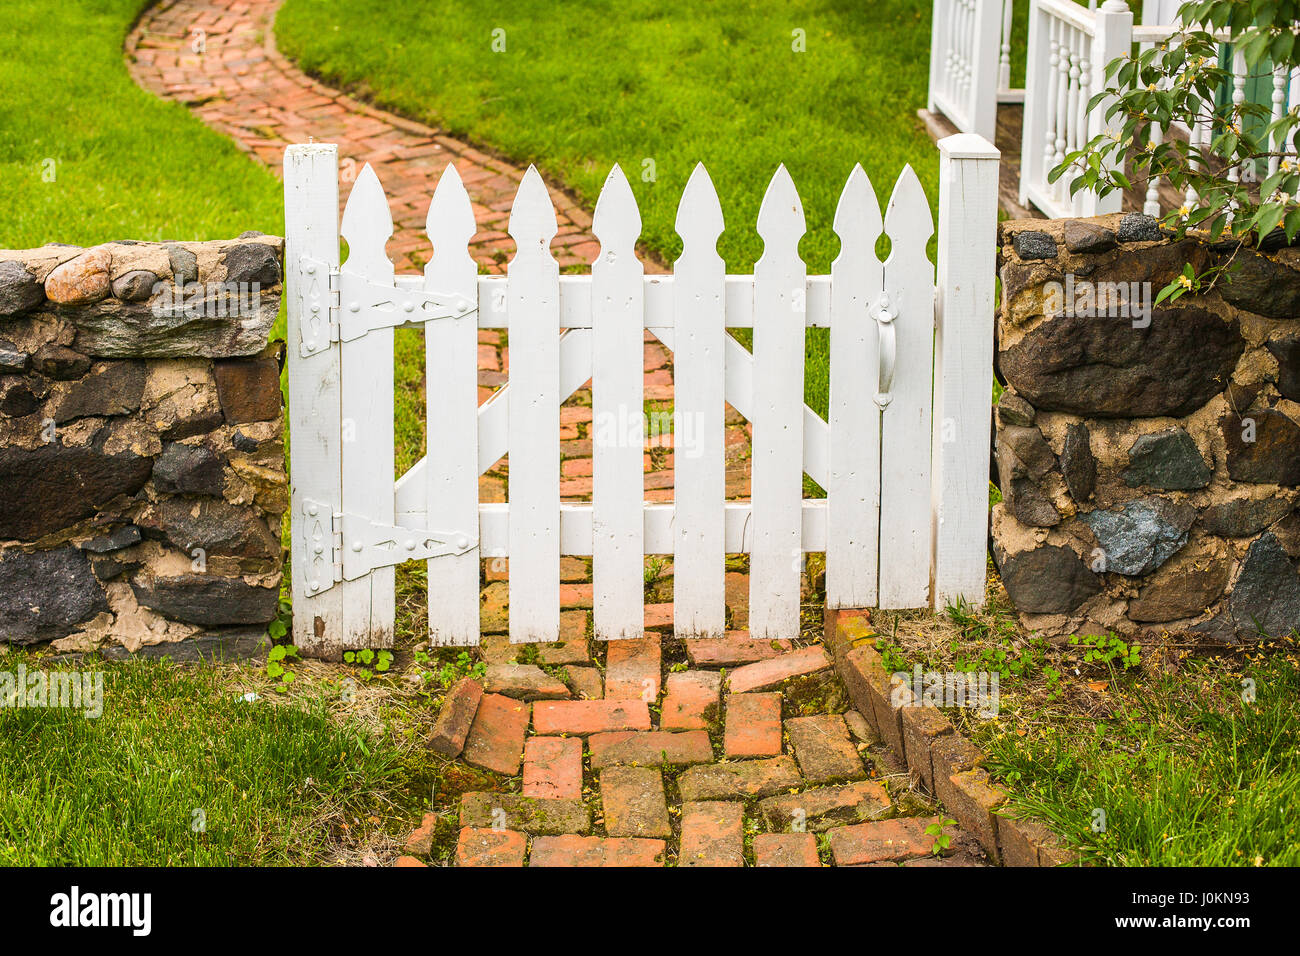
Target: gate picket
x=700, y=488
x=451, y=400
x=903, y=524
x=853, y=491
x=618, y=437
x=780, y=290
x=533, y=304
x=369, y=602
x=905, y=439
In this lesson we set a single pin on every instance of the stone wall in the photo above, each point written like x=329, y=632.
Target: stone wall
x=1148, y=457
x=141, y=445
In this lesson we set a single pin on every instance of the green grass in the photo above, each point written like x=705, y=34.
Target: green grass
x=1185, y=771
x=123, y=789
x=1158, y=760
x=580, y=87
x=125, y=164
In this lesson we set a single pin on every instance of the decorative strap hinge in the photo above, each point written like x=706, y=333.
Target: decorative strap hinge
x=340, y=305
x=354, y=545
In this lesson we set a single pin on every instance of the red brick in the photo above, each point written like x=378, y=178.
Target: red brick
x=553, y=767
x=633, y=802
x=596, y=851
x=496, y=738
x=420, y=842
x=921, y=727
x=971, y=798
x=821, y=808
x=740, y=779
x=523, y=682
x=582, y=717
x=823, y=749
x=712, y=834
x=585, y=682
x=480, y=847
x=786, y=849
x=459, y=705
x=733, y=650
x=409, y=861
x=769, y=674
x=753, y=725
x=885, y=841
x=691, y=697
x=632, y=669
x=650, y=748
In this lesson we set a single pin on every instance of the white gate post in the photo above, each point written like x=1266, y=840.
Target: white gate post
x=311, y=209
x=963, y=369
x=1113, y=38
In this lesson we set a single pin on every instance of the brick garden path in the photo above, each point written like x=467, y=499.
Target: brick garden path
x=646, y=752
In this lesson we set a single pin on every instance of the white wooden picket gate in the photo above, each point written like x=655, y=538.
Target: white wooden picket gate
x=903, y=458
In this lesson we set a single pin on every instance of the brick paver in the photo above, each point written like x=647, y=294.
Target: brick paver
x=690, y=698
x=712, y=834
x=753, y=725
x=496, y=738
x=785, y=849
x=486, y=847
x=553, y=767
x=823, y=749
x=633, y=801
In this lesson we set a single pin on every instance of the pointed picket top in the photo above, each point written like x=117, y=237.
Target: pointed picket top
x=367, y=225
x=908, y=217
x=780, y=217
x=857, y=217
x=616, y=221
x=450, y=223
x=699, y=214
x=532, y=217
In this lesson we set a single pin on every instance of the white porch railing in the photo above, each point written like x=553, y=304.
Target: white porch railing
x=1068, y=48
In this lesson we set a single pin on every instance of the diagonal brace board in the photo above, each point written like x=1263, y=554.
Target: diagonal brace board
x=575, y=370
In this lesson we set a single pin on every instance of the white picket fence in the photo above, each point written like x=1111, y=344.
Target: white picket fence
x=903, y=458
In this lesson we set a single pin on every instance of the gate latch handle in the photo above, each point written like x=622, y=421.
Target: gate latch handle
x=885, y=315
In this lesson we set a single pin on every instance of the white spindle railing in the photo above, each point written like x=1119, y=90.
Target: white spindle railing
x=965, y=66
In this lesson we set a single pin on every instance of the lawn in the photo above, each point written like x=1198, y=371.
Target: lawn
x=85, y=157
x=655, y=87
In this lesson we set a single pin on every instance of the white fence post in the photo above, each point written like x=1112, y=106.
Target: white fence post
x=1113, y=38
x=963, y=369
x=311, y=211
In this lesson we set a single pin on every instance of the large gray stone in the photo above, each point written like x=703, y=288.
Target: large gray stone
x=1078, y=464
x=1168, y=461
x=1286, y=349
x=52, y=487
x=1142, y=535
x=217, y=527
x=111, y=388
x=1263, y=447
x=253, y=262
x=1243, y=517
x=1266, y=596
x=1030, y=448
x=46, y=594
x=13, y=360
x=19, y=289
x=208, y=600
x=1034, y=245
x=1261, y=285
x=1136, y=227
x=1031, y=505
x=1105, y=367
x=1047, y=580
x=1181, y=589
x=188, y=470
